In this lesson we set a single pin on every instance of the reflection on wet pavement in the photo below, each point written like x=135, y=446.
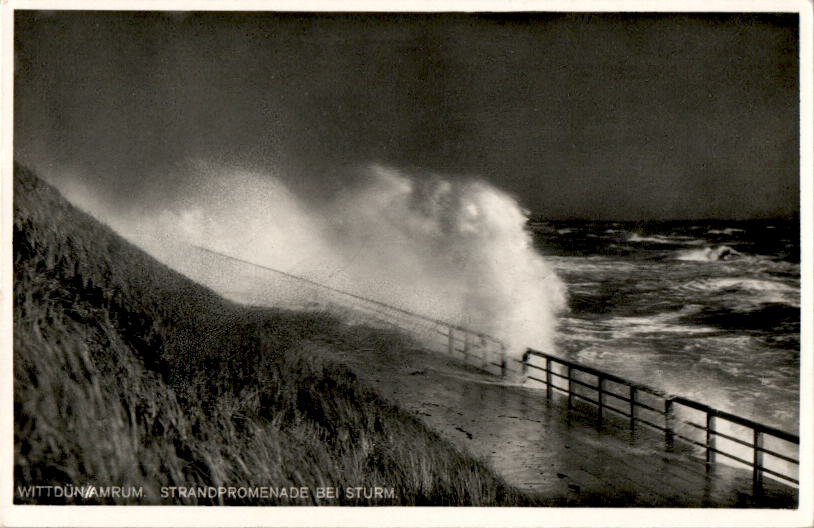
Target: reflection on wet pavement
x=537, y=445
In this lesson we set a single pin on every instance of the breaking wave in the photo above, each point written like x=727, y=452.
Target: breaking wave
x=451, y=249
x=662, y=239
x=749, y=293
x=708, y=254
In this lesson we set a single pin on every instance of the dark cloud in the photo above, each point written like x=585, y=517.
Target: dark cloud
x=578, y=115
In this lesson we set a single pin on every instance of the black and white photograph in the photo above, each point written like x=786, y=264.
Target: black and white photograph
x=549, y=258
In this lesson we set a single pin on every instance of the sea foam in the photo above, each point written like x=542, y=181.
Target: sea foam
x=454, y=249
x=708, y=254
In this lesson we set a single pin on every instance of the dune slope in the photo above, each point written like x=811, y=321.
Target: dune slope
x=127, y=373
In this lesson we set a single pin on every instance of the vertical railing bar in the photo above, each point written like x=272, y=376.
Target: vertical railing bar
x=502, y=359
x=668, y=424
x=570, y=389
x=757, y=463
x=526, y=355
x=451, y=345
x=600, y=398
x=710, y=441
x=466, y=347
x=548, y=388
x=633, y=393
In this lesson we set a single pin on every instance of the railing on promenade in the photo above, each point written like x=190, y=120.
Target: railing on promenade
x=472, y=346
x=765, y=450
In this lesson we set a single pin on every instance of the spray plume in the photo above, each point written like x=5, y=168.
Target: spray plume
x=454, y=250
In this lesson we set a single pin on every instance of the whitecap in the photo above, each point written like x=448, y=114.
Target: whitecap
x=659, y=325
x=753, y=292
x=707, y=254
x=659, y=239
x=727, y=231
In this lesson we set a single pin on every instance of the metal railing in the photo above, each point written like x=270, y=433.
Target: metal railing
x=473, y=347
x=636, y=402
x=639, y=403
x=456, y=340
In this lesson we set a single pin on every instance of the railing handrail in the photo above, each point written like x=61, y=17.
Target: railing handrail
x=746, y=422
x=670, y=400
x=596, y=372
x=758, y=430
x=354, y=296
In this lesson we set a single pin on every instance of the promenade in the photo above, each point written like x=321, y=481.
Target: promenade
x=538, y=444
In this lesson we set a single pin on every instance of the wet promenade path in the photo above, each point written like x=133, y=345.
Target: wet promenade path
x=537, y=444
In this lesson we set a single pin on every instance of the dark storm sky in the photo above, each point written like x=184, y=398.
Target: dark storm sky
x=578, y=115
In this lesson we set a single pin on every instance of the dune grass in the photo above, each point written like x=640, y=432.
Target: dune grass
x=126, y=373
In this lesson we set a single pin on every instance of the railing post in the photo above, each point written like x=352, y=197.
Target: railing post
x=710, y=430
x=757, y=463
x=668, y=424
x=451, y=343
x=502, y=359
x=484, y=353
x=633, y=409
x=526, y=355
x=600, y=399
x=466, y=347
x=570, y=390
x=548, y=388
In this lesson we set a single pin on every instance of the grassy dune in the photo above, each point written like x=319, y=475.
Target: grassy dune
x=129, y=374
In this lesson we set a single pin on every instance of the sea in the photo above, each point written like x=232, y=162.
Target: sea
x=709, y=310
